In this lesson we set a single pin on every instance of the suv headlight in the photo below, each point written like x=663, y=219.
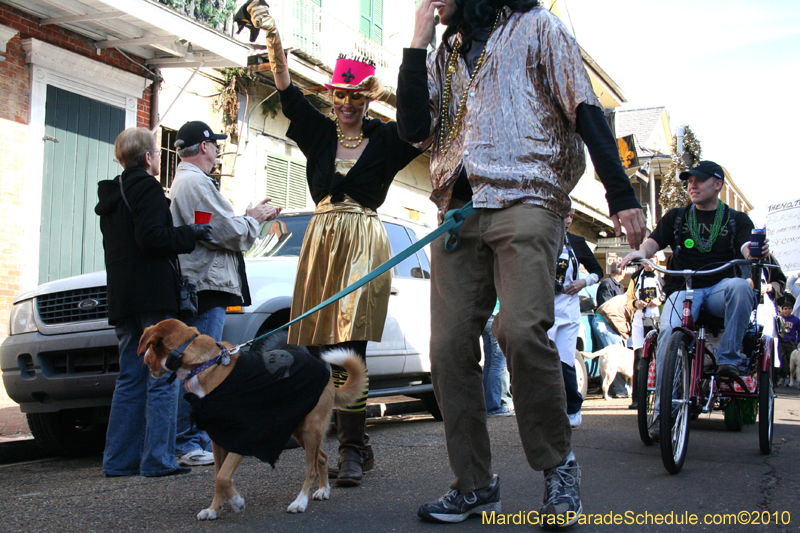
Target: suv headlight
x=22, y=320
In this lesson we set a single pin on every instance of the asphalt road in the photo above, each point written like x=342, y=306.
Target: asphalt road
x=724, y=473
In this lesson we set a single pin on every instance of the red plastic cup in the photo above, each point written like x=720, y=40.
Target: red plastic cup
x=201, y=217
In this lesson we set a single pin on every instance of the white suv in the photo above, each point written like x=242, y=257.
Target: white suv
x=61, y=360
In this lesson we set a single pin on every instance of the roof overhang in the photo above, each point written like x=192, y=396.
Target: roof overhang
x=144, y=28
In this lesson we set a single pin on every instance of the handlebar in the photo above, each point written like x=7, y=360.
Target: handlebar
x=690, y=273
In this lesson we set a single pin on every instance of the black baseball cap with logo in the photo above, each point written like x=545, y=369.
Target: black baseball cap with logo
x=704, y=170
x=195, y=132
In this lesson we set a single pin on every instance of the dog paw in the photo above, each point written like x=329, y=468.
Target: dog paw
x=322, y=494
x=236, y=503
x=299, y=505
x=207, y=514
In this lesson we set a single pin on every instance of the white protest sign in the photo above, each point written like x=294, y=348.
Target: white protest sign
x=783, y=232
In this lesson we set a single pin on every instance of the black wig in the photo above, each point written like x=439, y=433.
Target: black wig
x=473, y=15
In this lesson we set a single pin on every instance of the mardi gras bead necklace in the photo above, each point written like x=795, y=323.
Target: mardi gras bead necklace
x=704, y=245
x=448, y=133
x=342, y=138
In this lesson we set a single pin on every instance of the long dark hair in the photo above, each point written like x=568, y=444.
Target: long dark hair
x=472, y=15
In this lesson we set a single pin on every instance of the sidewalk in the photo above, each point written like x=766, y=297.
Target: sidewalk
x=13, y=425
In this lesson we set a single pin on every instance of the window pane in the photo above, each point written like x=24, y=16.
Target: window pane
x=399, y=241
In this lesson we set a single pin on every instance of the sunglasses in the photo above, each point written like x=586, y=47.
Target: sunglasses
x=352, y=97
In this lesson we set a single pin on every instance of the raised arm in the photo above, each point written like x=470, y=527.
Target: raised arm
x=261, y=18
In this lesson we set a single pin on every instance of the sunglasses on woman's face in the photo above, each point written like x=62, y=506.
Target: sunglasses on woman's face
x=351, y=97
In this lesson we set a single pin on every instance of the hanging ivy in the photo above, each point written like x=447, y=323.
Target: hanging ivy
x=213, y=13
x=673, y=194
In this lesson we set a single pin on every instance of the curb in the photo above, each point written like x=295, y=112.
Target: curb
x=377, y=410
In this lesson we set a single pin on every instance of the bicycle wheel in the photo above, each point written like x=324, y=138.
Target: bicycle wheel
x=766, y=410
x=645, y=398
x=675, y=403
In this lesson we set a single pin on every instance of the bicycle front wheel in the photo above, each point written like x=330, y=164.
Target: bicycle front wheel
x=675, y=404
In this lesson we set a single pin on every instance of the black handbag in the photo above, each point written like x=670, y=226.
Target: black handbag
x=187, y=294
x=187, y=289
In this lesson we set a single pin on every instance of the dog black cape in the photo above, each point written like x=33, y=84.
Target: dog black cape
x=262, y=401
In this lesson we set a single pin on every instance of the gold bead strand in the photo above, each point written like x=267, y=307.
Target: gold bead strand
x=342, y=138
x=448, y=134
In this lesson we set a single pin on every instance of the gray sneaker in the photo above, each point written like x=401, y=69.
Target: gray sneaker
x=561, y=505
x=455, y=506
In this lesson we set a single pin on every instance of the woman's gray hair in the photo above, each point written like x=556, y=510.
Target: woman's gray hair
x=187, y=151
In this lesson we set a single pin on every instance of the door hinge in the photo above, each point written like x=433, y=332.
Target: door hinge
x=51, y=139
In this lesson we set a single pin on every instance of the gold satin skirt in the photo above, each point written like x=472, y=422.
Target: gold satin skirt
x=343, y=243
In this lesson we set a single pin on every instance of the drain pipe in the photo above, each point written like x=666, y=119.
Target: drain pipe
x=155, y=88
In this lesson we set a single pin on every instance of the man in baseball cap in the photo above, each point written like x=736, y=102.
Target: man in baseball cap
x=704, y=170
x=224, y=285
x=195, y=132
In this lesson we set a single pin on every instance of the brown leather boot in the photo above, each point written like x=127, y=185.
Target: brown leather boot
x=350, y=429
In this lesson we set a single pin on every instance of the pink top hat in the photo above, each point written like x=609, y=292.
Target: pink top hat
x=349, y=72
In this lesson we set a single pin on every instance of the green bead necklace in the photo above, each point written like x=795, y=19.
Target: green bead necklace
x=704, y=246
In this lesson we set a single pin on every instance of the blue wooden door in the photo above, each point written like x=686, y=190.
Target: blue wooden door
x=85, y=130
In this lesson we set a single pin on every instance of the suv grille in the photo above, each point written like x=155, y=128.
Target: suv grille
x=79, y=305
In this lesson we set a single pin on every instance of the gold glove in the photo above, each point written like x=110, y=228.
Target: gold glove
x=261, y=18
x=374, y=89
x=277, y=58
x=259, y=15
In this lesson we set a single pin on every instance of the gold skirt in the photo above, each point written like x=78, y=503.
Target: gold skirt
x=343, y=243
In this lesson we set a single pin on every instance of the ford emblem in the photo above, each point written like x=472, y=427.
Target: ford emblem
x=88, y=305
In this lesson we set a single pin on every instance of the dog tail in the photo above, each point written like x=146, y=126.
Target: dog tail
x=357, y=378
x=592, y=355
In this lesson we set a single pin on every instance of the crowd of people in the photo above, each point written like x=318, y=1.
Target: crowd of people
x=501, y=135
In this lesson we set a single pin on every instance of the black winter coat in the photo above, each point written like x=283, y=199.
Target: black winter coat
x=139, y=246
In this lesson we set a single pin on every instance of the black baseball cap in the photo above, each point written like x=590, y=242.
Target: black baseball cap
x=704, y=170
x=195, y=132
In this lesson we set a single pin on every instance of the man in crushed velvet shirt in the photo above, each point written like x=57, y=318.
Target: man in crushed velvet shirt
x=506, y=105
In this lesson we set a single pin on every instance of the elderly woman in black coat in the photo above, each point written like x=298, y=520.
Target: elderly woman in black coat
x=141, y=247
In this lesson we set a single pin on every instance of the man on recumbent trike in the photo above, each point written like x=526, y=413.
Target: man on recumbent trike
x=703, y=234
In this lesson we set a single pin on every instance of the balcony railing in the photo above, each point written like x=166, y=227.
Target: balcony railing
x=217, y=14
x=321, y=36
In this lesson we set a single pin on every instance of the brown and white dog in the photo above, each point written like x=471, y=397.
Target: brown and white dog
x=613, y=358
x=156, y=343
x=794, y=369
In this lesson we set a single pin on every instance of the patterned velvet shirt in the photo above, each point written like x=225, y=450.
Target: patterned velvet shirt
x=518, y=140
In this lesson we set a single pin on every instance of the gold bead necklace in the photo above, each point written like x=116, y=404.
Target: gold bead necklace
x=448, y=133
x=342, y=138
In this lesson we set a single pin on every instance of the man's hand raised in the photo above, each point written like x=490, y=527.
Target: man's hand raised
x=633, y=222
x=424, y=23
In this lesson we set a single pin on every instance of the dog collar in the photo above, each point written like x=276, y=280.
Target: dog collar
x=224, y=358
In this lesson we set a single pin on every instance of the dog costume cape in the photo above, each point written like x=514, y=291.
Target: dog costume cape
x=262, y=401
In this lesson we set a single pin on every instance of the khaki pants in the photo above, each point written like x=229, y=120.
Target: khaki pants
x=510, y=254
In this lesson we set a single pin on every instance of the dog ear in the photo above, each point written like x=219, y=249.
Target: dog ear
x=151, y=335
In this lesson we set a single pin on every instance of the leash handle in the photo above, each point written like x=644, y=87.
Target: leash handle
x=451, y=225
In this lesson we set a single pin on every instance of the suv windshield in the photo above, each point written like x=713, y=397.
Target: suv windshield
x=280, y=237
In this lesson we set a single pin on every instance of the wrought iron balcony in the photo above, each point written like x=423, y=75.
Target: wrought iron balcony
x=217, y=14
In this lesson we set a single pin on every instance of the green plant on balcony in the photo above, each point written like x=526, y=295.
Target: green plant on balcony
x=214, y=13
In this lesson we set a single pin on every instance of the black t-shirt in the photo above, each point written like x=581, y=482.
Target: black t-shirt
x=725, y=247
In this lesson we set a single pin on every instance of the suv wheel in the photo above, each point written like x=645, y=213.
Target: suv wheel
x=70, y=433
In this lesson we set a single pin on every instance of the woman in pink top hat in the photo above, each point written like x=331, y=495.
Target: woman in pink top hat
x=351, y=161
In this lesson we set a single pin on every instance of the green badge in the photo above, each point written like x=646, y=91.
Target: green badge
x=689, y=243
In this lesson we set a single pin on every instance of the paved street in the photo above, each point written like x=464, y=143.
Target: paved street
x=724, y=473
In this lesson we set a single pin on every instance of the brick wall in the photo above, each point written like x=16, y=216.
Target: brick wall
x=15, y=91
x=28, y=26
